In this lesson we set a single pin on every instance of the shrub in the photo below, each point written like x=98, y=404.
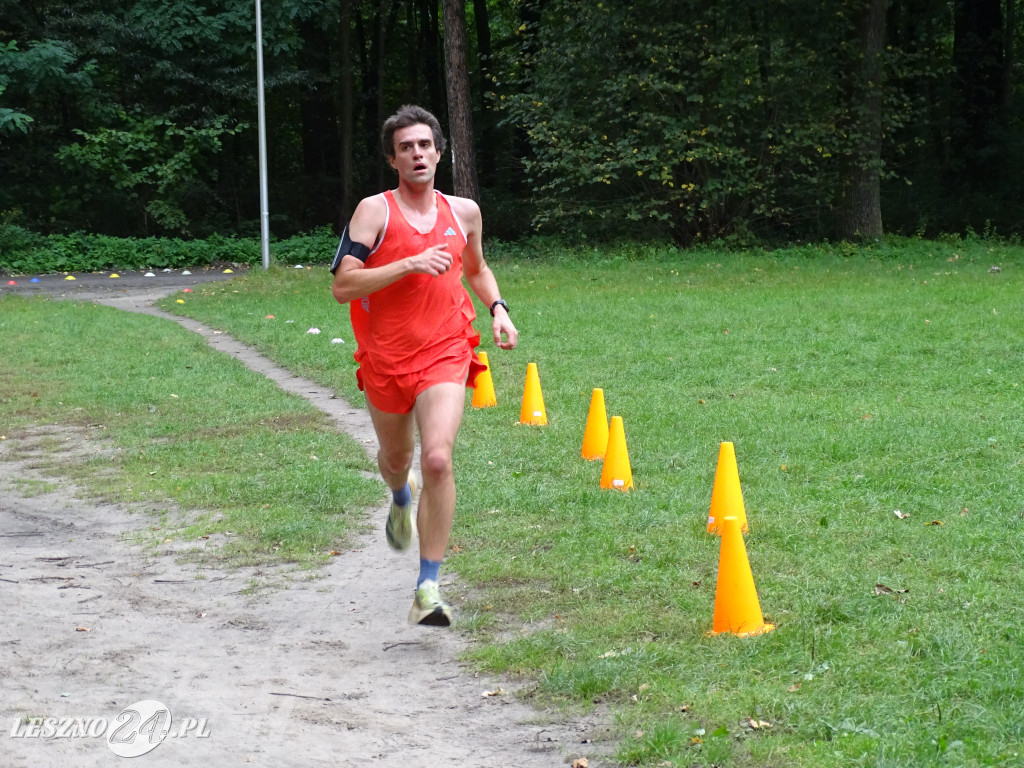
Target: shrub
x=23, y=252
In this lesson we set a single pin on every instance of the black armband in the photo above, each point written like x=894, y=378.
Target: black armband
x=348, y=247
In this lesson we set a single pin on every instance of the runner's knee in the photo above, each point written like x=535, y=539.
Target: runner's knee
x=394, y=461
x=436, y=463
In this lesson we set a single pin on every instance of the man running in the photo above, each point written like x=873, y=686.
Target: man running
x=399, y=267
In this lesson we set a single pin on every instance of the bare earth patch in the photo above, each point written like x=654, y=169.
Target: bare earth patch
x=321, y=670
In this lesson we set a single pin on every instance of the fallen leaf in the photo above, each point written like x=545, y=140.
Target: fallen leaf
x=757, y=725
x=963, y=512
x=901, y=515
x=495, y=692
x=793, y=688
x=81, y=629
x=881, y=589
x=581, y=762
x=333, y=553
x=935, y=522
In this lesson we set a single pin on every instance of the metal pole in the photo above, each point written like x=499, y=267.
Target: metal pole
x=262, y=119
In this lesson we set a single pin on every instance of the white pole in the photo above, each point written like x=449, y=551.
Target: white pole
x=262, y=118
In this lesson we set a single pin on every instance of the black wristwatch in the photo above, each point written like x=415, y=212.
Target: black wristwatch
x=499, y=302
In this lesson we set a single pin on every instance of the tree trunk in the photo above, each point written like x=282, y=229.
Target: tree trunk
x=860, y=207
x=430, y=53
x=977, y=113
x=1009, y=54
x=485, y=123
x=321, y=163
x=346, y=113
x=460, y=121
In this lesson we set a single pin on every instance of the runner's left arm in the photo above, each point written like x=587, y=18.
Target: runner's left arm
x=480, y=277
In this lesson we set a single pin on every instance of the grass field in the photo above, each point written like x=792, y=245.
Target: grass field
x=853, y=383
x=173, y=420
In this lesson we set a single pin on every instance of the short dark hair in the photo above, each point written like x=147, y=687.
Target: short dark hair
x=408, y=115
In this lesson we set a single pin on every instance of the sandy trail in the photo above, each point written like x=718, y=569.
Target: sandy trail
x=320, y=670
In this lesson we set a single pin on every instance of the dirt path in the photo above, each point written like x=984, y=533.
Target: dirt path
x=322, y=671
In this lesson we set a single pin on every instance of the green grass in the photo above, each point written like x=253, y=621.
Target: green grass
x=180, y=422
x=852, y=383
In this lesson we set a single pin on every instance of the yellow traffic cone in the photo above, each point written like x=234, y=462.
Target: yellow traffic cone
x=595, y=437
x=616, y=472
x=483, y=391
x=726, y=496
x=533, y=411
x=737, y=609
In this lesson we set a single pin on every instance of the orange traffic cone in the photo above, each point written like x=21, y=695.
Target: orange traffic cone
x=595, y=437
x=616, y=472
x=726, y=496
x=737, y=609
x=533, y=411
x=483, y=391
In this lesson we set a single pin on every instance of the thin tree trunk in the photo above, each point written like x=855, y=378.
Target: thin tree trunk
x=978, y=58
x=460, y=121
x=485, y=123
x=860, y=208
x=346, y=113
x=1009, y=53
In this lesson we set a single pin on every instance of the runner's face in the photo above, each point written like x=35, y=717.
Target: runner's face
x=415, y=158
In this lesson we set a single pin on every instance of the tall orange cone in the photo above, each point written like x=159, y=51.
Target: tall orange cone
x=595, y=437
x=726, y=496
x=737, y=609
x=533, y=411
x=616, y=472
x=483, y=391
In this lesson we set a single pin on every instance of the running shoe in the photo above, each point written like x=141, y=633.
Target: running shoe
x=428, y=609
x=399, y=526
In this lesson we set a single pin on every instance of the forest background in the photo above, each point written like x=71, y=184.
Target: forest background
x=782, y=122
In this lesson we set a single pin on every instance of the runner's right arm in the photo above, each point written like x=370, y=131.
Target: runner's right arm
x=353, y=279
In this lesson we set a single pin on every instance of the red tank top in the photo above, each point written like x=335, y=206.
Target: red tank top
x=402, y=328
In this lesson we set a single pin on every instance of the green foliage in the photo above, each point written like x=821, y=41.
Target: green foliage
x=11, y=121
x=22, y=252
x=643, y=120
x=695, y=121
x=156, y=163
